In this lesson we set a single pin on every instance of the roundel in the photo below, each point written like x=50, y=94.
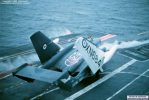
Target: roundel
x=44, y=46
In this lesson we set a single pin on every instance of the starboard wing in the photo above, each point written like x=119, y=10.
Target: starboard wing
x=93, y=56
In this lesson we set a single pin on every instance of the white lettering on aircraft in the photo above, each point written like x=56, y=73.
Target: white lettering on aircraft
x=91, y=52
x=92, y=55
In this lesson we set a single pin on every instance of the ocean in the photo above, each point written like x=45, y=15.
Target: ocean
x=59, y=17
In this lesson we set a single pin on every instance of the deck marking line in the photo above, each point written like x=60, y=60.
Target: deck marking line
x=16, y=54
x=5, y=76
x=44, y=93
x=127, y=85
x=143, y=33
x=93, y=85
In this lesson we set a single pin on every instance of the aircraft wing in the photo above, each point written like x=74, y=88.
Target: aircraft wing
x=41, y=74
x=91, y=54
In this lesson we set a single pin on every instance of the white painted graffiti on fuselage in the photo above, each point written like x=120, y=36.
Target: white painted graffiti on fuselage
x=73, y=59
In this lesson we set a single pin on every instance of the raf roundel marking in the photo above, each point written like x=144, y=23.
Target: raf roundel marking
x=44, y=46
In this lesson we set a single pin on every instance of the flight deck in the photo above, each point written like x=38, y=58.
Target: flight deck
x=127, y=73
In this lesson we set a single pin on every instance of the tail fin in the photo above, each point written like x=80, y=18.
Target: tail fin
x=44, y=47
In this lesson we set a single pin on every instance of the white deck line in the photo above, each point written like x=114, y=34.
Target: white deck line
x=5, y=76
x=143, y=33
x=93, y=85
x=126, y=85
x=16, y=54
x=39, y=95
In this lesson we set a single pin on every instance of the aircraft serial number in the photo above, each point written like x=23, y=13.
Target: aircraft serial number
x=91, y=52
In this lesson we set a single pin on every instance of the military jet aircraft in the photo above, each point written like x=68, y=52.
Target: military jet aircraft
x=67, y=66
